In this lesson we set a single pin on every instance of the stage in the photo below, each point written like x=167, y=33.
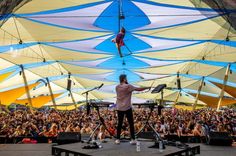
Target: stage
x=45, y=150
x=123, y=149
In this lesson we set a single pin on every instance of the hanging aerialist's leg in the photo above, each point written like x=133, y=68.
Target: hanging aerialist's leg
x=119, y=50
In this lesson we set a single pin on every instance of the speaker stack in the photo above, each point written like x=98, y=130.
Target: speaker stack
x=219, y=138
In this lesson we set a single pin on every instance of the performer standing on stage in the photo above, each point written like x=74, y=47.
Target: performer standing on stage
x=124, y=108
x=119, y=40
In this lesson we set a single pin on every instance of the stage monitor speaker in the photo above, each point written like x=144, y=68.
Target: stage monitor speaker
x=219, y=138
x=85, y=136
x=178, y=84
x=159, y=88
x=68, y=137
x=69, y=84
x=146, y=135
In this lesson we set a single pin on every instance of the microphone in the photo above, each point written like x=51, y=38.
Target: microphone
x=100, y=86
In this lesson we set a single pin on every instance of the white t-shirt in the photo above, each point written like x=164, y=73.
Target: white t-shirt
x=124, y=93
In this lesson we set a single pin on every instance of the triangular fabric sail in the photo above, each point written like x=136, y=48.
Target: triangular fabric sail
x=180, y=15
x=228, y=89
x=213, y=101
x=189, y=108
x=63, y=18
x=38, y=5
x=8, y=97
x=37, y=102
x=70, y=39
x=4, y=76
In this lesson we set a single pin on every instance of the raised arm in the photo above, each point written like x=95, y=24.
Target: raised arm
x=141, y=88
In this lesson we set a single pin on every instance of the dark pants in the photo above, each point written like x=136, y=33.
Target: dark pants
x=129, y=116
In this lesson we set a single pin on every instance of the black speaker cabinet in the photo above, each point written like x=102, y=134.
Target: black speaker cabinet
x=219, y=138
x=147, y=135
x=68, y=137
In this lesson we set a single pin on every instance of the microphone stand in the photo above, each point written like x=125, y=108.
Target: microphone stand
x=88, y=108
x=86, y=96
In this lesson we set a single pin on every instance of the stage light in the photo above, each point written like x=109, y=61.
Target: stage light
x=227, y=39
x=20, y=42
x=178, y=82
x=122, y=17
x=69, y=75
x=123, y=63
x=68, y=85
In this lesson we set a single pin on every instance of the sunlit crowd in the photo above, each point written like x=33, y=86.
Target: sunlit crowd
x=50, y=123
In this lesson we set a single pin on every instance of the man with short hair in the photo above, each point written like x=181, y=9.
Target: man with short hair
x=124, y=108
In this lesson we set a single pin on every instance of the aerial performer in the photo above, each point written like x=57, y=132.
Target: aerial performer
x=119, y=40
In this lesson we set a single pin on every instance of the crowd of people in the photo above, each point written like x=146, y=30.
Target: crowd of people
x=50, y=123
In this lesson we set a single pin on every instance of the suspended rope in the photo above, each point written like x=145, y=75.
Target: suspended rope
x=119, y=40
x=19, y=36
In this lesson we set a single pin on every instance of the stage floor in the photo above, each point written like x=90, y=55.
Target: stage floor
x=45, y=150
x=124, y=148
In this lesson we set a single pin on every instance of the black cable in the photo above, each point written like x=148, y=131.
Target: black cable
x=14, y=19
x=119, y=9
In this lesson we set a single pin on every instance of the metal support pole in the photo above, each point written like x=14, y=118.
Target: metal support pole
x=198, y=93
x=162, y=97
x=26, y=86
x=51, y=93
x=73, y=99
x=223, y=87
x=177, y=98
